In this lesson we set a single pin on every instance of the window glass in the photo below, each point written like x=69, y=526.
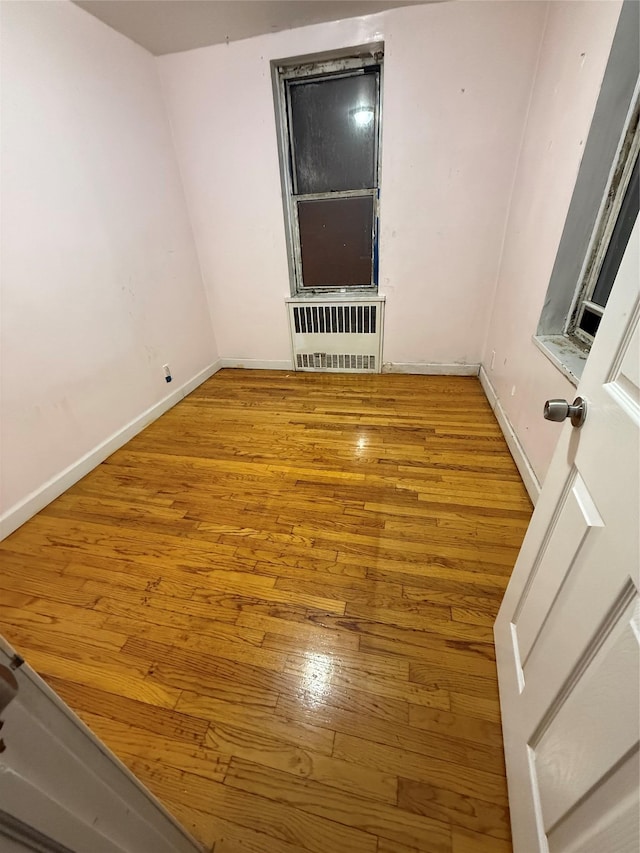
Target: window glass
x=619, y=239
x=336, y=241
x=589, y=322
x=590, y=309
x=334, y=131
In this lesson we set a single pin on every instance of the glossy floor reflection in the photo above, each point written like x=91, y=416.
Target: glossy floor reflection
x=275, y=605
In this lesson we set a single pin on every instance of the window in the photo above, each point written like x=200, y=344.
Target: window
x=329, y=117
x=612, y=236
x=603, y=208
x=566, y=333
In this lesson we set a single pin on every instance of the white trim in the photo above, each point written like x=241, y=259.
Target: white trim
x=529, y=478
x=456, y=369
x=256, y=363
x=53, y=488
x=335, y=296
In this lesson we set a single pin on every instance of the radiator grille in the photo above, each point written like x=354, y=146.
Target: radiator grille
x=333, y=361
x=336, y=334
x=345, y=319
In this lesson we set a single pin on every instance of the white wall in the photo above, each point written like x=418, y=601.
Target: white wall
x=456, y=86
x=573, y=57
x=100, y=279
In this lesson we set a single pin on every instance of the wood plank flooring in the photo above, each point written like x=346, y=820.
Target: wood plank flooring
x=275, y=606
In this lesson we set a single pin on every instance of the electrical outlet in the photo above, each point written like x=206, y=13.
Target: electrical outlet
x=493, y=359
x=167, y=373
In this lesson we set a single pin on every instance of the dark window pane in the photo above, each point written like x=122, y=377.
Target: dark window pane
x=590, y=322
x=334, y=133
x=619, y=239
x=336, y=241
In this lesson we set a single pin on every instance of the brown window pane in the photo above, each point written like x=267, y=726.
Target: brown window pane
x=336, y=241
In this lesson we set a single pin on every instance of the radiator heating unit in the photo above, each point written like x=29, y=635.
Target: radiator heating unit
x=342, y=335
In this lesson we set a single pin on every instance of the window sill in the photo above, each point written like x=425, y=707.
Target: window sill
x=337, y=296
x=564, y=353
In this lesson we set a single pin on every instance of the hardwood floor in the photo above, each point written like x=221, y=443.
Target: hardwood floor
x=275, y=605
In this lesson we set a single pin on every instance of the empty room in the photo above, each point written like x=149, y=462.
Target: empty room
x=320, y=426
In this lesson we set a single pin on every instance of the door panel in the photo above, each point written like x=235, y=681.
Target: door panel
x=585, y=734
x=59, y=781
x=567, y=635
x=575, y=517
x=624, y=381
x=607, y=819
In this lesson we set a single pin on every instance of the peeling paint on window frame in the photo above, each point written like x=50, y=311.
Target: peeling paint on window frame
x=341, y=63
x=612, y=202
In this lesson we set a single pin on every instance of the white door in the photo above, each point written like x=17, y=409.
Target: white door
x=61, y=790
x=567, y=634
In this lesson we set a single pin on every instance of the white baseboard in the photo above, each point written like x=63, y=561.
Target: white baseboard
x=387, y=367
x=531, y=482
x=256, y=364
x=53, y=488
x=431, y=369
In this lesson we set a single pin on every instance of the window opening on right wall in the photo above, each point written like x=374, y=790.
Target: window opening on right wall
x=603, y=207
x=609, y=243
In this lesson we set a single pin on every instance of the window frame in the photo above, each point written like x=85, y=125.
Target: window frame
x=303, y=69
x=603, y=231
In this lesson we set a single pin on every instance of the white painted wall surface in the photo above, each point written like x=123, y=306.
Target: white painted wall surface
x=100, y=279
x=573, y=57
x=456, y=87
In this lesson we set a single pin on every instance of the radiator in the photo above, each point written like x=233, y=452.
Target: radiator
x=344, y=335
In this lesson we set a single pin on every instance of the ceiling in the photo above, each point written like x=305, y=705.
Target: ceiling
x=168, y=26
